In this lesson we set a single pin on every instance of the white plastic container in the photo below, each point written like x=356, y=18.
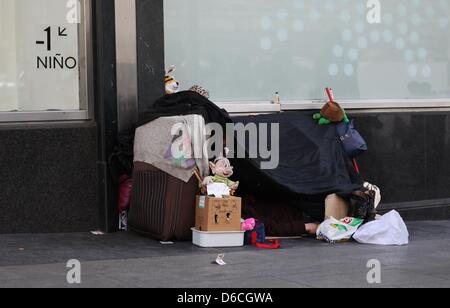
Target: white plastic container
x=218, y=239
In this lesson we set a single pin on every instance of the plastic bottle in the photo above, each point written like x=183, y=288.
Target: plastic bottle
x=277, y=98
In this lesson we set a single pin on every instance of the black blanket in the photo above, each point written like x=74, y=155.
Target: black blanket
x=185, y=103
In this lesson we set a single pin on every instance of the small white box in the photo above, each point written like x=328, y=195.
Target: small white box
x=218, y=238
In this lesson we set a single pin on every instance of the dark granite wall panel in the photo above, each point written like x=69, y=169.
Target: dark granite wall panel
x=409, y=154
x=48, y=179
x=150, y=49
x=438, y=156
x=106, y=107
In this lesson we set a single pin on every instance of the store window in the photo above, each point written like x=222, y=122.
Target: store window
x=366, y=50
x=43, y=67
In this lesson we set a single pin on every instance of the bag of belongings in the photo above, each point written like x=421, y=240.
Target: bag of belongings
x=390, y=229
x=335, y=231
x=352, y=141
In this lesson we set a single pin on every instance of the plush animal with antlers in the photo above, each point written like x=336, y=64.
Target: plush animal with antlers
x=332, y=112
x=172, y=85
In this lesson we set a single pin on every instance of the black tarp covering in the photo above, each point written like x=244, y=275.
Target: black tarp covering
x=312, y=161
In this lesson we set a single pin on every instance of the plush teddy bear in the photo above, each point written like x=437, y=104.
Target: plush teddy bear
x=222, y=170
x=172, y=86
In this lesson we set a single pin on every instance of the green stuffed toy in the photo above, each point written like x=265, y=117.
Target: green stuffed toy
x=324, y=121
x=332, y=112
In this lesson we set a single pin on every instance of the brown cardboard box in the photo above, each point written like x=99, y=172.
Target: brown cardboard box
x=218, y=214
x=336, y=207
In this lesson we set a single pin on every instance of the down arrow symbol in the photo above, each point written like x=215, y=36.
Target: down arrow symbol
x=62, y=32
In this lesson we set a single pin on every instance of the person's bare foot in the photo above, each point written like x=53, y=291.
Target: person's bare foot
x=311, y=228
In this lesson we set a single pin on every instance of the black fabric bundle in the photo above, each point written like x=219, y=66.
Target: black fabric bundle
x=185, y=103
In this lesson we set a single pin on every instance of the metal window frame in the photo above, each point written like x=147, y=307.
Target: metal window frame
x=85, y=55
x=374, y=105
x=126, y=68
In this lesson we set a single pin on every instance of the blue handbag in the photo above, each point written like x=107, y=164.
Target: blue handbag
x=352, y=141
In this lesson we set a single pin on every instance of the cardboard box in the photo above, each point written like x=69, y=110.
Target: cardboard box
x=336, y=207
x=218, y=214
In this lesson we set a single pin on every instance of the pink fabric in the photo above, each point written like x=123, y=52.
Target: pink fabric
x=125, y=189
x=248, y=224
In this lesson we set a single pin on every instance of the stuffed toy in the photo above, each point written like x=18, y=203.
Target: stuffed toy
x=248, y=224
x=200, y=90
x=332, y=112
x=172, y=86
x=222, y=170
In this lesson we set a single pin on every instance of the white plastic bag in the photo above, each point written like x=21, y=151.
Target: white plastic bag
x=390, y=229
x=334, y=231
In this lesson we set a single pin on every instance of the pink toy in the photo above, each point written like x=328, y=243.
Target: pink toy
x=248, y=224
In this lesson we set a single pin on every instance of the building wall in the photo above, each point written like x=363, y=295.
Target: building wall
x=54, y=178
x=409, y=154
x=150, y=51
x=48, y=178
x=409, y=158
x=8, y=72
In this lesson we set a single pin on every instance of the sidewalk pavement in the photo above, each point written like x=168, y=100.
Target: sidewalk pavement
x=129, y=260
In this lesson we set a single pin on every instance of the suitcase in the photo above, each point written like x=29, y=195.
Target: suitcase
x=162, y=206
